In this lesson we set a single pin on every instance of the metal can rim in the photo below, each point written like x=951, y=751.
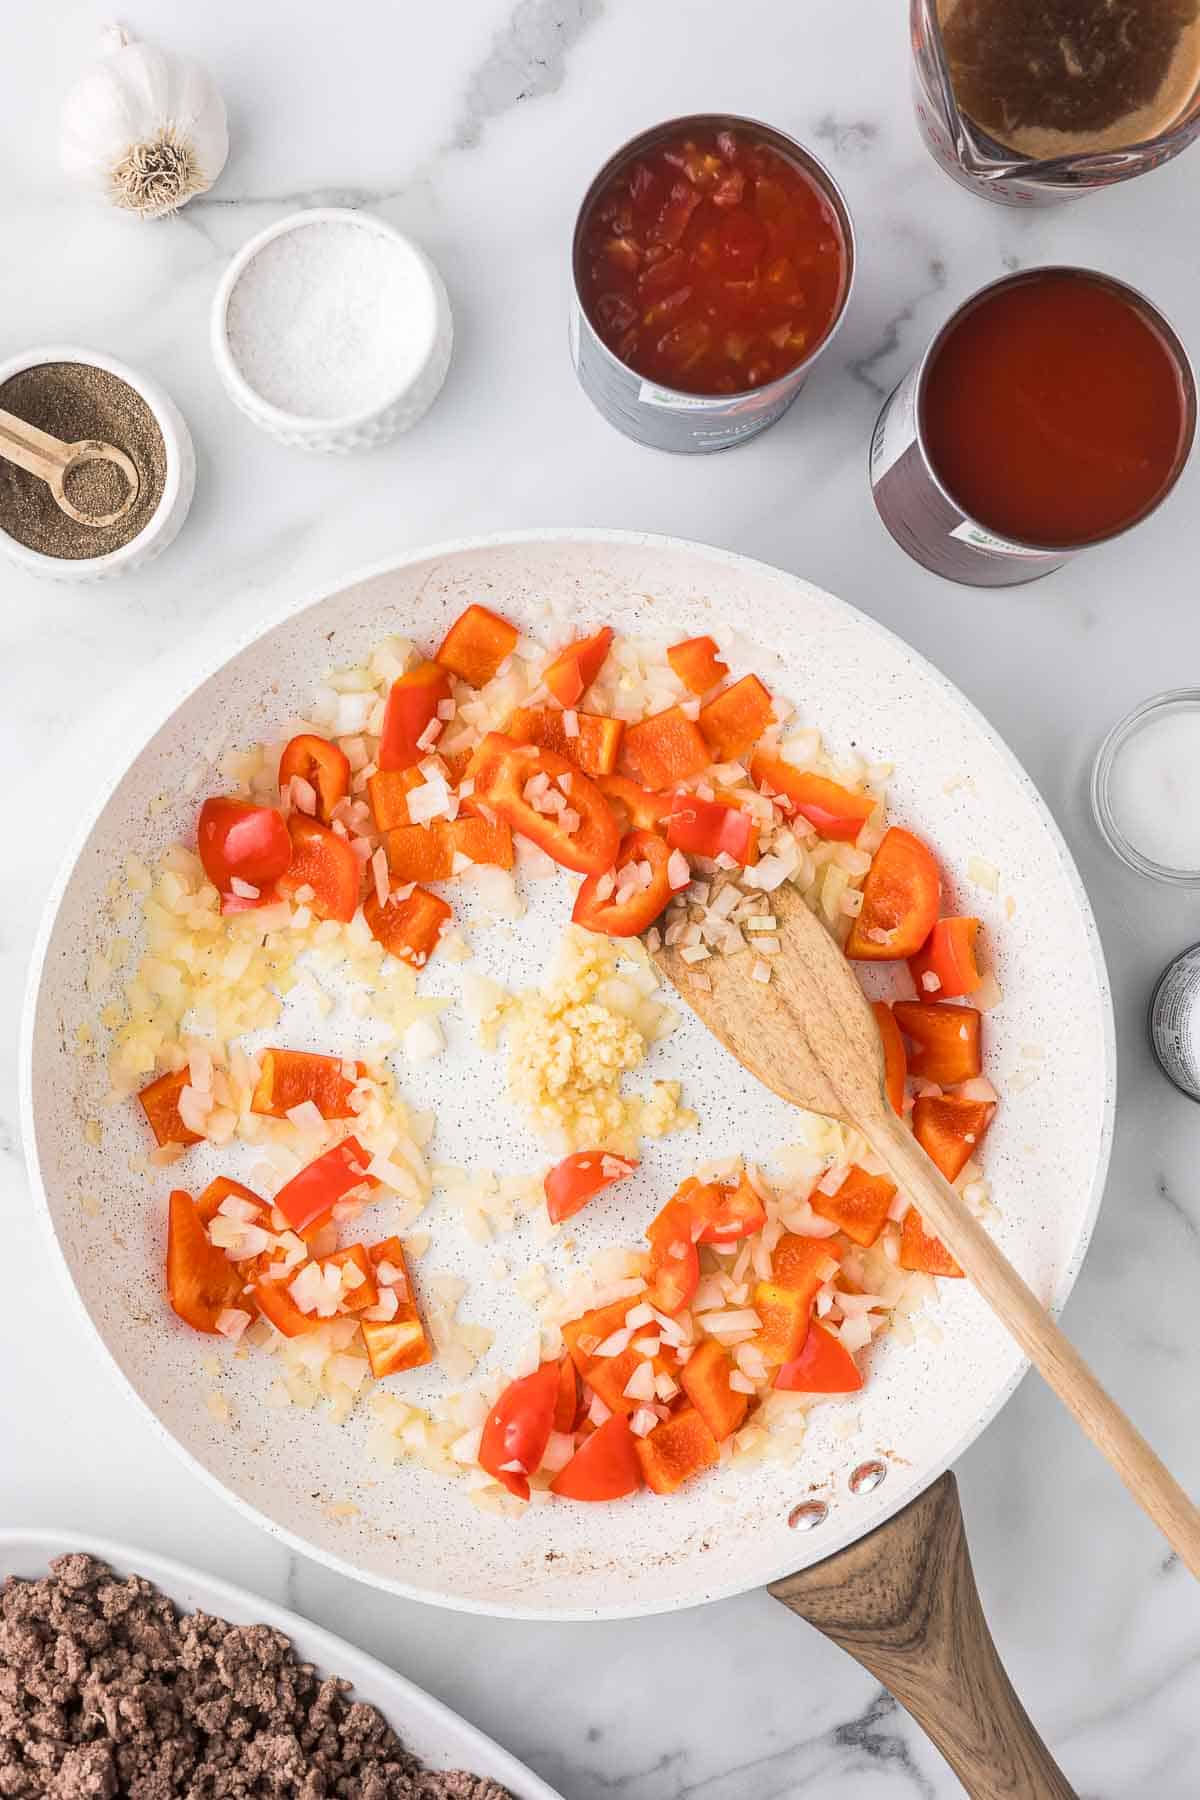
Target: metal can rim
x=789, y=146
x=1143, y=302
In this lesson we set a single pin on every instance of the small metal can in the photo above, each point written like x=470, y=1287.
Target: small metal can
x=919, y=511
x=667, y=418
x=1175, y=1022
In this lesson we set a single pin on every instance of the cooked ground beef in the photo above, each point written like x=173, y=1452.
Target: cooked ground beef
x=106, y=1691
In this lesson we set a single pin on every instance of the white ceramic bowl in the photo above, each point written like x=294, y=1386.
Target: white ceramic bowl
x=168, y=516
x=429, y=1730
x=396, y=410
x=1046, y=1156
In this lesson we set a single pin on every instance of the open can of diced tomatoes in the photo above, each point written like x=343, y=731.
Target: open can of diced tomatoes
x=713, y=260
x=1054, y=410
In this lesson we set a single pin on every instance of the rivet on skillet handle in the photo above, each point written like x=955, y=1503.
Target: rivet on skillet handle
x=903, y=1602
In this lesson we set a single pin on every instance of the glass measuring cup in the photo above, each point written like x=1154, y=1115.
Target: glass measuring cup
x=978, y=162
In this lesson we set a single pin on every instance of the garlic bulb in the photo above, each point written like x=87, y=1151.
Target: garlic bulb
x=145, y=127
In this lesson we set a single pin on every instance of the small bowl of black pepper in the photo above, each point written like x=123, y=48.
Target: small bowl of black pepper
x=79, y=395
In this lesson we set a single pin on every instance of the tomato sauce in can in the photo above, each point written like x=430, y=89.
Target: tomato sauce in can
x=713, y=260
x=1054, y=410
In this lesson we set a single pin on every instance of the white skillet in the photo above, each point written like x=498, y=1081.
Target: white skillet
x=417, y=1534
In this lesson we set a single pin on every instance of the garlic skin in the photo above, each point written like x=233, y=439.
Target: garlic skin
x=144, y=127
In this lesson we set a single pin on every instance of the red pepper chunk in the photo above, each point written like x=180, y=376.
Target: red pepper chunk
x=519, y=784
x=705, y=1381
x=409, y=928
x=323, y=861
x=950, y=1130
x=566, y=1405
x=900, y=901
x=356, y=1297
x=160, y=1103
x=518, y=1429
x=324, y=766
x=674, y=1269
x=319, y=1186
x=895, y=1057
x=398, y=1343
x=697, y=664
x=579, y=1177
x=201, y=1281
x=605, y=1467
x=947, y=958
x=476, y=644
x=676, y=1450
x=236, y=840
x=636, y=809
x=736, y=718
x=276, y=1304
x=823, y=1366
x=593, y=748
x=710, y=827
x=666, y=748
x=834, y=811
x=571, y=673
x=947, y=1039
x=860, y=1207
x=599, y=905
x=728, y=1213
x=291, y=1077
x=921, y=1251
x=412, y=706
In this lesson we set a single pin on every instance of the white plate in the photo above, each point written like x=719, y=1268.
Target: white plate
x=428, y=1729
x=1046, y=1155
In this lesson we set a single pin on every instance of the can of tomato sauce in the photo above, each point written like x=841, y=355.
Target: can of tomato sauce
x=713, y=261
x=1054, y=410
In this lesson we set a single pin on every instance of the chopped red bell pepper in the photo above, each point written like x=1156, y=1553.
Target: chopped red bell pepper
x=548, y=800
x=276, y=1304
x=900, y=901
x=860, y=1207
x=947, y=1038
x=566, y=1405
x=324, y=766
x=710, y=827
x=834, y=811
x=388, y=791
x=620, y=901
x=674, y=1268
x=785, y=1313
x=605, y=1467
x=948, y=959
x=412, y=706
x=676, y=1450
x=728, y=1213
x=574, y=669
x=398, y=1343
x=705, y=1381
x=636, y=809
x=895, y=1057
x=323, y=861
x=579, y=1177
x=237, y=839
x=736, y=718
x=355, y=1297
x=666, y=748
x=202, y=1283
x=697, y=664
x=950, y=1130
x=319, y=1186
x=291, y=1077
x=476, y=644
x=582, y=1335
x=823, y=1366
x=410, y=928
x=481, y=840
x=518, y=1429
x=208, y=1204
x=160, y=1103
x=803, y=1264
x=921, y=1251
x=593, y=748
x=419, y=852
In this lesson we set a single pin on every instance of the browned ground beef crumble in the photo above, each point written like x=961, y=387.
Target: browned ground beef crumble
x=106, y=1691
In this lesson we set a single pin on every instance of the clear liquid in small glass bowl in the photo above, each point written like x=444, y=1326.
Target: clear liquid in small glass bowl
x=1145, y=792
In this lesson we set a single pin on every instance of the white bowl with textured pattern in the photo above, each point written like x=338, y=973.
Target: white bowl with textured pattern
x=403, y=401
x=1046, y=1156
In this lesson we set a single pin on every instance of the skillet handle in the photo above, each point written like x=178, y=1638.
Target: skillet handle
x=903, y=1602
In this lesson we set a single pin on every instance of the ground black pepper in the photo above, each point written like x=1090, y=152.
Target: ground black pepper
x=73, y=401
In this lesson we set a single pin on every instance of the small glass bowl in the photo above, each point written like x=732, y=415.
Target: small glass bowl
x=1175, y=700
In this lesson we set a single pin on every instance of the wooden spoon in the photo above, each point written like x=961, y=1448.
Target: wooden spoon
x=52, y=460
x=810, y=1036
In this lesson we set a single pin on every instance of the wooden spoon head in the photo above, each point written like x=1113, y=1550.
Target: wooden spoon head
x=808, y=1034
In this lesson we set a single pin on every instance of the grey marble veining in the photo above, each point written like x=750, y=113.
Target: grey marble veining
x=477, y=128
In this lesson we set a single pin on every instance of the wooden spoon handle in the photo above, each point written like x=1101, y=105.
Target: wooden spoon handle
x=1056, y=1359
x=903, y=1602
x=32, y=449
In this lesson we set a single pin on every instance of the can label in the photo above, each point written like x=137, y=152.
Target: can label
x=970, y=533
x=895, y=428
x=1175, y=1022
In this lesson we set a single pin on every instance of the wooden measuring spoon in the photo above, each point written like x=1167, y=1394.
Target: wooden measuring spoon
x=51, y=460
x=810, y=1036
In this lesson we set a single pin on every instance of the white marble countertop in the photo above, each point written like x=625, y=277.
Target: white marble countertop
x=476, y=128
